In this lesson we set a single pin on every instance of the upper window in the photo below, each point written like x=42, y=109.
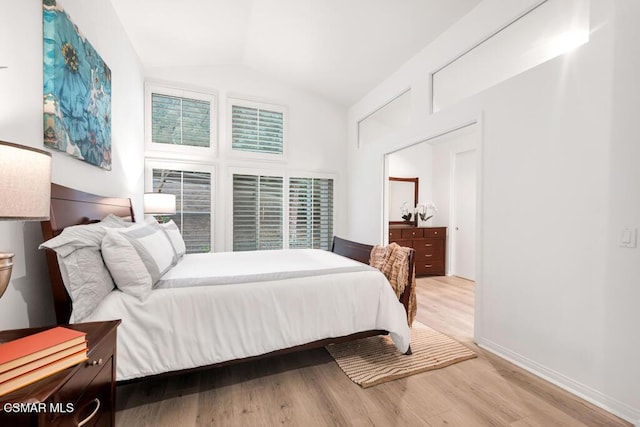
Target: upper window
x=179, y=120
x=257, y=129
x=550, y=29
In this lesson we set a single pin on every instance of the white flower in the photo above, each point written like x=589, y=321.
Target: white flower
x=426, y=210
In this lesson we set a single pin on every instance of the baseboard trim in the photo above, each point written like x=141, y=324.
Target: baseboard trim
x=585, y=392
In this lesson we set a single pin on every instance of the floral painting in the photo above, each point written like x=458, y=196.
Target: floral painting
x=77, y=91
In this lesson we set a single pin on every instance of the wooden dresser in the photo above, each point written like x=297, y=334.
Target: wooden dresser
x=81, y=395
x=430, y=244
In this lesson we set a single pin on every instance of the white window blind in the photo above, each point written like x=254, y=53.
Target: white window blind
x=193, y=204
x=258, y=212
x=257, y=129
x=180, y=121
x=310, y=213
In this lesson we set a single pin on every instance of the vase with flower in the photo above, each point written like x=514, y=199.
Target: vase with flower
x=425, y=213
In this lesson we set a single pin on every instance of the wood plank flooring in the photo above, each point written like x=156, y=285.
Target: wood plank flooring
x=308, y=388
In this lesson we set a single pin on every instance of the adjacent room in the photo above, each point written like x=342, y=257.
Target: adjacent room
x=296, y=212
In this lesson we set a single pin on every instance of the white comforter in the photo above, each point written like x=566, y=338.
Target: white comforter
x=190, y=326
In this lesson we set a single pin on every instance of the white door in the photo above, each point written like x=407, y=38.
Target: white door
x=464, y=215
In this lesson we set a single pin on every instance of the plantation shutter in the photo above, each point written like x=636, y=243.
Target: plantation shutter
x=257, y=212
x=310, y=213
x=257, y=130
x=180, y=121
x=193, y=204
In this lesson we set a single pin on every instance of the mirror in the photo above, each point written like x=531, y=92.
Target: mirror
x=403, y=198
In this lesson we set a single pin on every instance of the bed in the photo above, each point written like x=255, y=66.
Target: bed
x=188, y=322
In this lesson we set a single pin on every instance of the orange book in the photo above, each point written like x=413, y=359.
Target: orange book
x=27, y=349
x=42, y=372
x=15, y=372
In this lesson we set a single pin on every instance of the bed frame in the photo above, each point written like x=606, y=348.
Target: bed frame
x=73, y=207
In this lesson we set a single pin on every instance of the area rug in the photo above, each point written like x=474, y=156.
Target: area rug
x=375, y=360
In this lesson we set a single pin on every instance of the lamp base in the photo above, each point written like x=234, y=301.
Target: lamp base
x=6, y=265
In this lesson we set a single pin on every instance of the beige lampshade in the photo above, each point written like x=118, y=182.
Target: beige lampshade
x=159, y=203
x=25, y=182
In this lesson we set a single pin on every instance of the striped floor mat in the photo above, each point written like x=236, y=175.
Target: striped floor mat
x=375, y=360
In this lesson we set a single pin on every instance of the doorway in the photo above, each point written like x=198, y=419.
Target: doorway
x=447, y=165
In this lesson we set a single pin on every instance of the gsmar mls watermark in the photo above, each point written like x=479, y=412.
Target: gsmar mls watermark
x=38, y=407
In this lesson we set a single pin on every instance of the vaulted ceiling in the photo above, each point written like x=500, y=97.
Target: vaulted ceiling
x=339, y=49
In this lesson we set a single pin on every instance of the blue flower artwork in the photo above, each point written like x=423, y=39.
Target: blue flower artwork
x=77, y=91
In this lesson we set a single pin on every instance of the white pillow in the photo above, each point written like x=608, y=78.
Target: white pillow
x=175, y=237
x=77, y=236
x=126, y=267
x=117, y=221
x=138, y=256
x=86, y=279
x=84, y=274
x=153, y=247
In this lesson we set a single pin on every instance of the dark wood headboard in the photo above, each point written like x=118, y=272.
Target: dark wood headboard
x=72, y=207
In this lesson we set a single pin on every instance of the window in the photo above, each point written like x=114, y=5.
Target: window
x=550, y=29
x=257, y=128
x=258, y=212
x=271, y=211
x=179, y=120
x=310, y=213
x=192, y=186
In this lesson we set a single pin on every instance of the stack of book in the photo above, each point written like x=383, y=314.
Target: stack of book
x=31, y=358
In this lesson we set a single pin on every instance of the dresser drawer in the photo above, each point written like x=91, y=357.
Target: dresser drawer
x=394, y=235
x=435, y=232
x=411, y=233
x=428, y=256
x=435, y=267
x=432, y=246
x=403, y=242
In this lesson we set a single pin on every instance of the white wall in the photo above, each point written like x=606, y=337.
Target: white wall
x=27, y=301
x=557, y=183
x=621, y=290
x=316, y=133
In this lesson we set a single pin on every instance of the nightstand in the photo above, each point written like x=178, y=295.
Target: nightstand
x=83, y=395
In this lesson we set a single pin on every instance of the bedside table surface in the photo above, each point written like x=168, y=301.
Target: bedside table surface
x=41, y=390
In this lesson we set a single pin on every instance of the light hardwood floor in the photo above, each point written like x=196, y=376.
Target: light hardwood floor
x=308, y=388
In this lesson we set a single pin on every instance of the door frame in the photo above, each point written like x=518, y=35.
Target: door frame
x=478, y=122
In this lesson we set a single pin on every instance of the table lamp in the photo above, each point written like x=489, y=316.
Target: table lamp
x=25, y=192
x=159, y=204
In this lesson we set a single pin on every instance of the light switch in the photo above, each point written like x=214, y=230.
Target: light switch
x=628, y=238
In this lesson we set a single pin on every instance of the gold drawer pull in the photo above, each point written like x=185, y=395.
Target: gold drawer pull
x=93, y=414
x=428, y=245
x=428, y=265
x=435, y=232
x=428, y=255
x=95, y=362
